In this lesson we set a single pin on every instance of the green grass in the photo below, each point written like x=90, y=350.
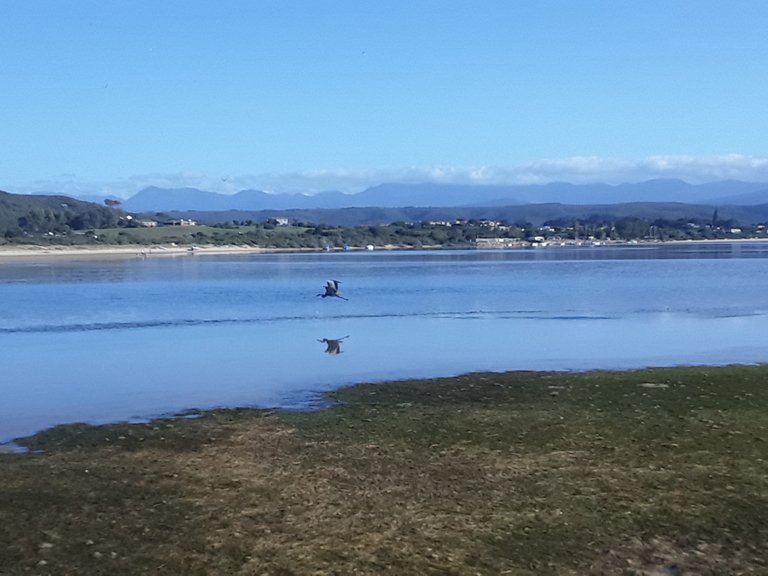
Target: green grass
x=651, y=472
x=200, y=234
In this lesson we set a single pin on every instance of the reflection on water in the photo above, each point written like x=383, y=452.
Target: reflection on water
x=333, y=346
x=131, y=339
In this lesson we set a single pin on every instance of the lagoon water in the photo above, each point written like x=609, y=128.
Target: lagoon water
x=128, y=339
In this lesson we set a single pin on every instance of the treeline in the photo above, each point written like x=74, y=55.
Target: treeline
x=24, y=216
x=634, y=228
x=536, y=214
x=294, y=236
x=464, y=233
x=412, y=235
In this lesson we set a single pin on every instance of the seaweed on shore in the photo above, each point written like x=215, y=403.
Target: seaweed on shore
x=659, y=471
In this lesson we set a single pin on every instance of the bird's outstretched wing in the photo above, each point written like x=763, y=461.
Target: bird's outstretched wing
x=332, y=345
x=332, y=289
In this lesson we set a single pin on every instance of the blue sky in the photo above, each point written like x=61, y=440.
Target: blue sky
x=109, y=96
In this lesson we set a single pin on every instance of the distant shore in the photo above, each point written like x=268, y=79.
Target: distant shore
x=133, y=251
x=143, y=251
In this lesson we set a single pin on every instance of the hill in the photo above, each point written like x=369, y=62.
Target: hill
x=536, y=214
x=21, y=214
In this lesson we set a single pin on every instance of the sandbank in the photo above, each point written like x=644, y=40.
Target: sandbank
x=35, y=251
x=134, y=251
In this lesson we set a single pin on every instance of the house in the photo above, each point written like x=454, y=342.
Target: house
x=180, y=222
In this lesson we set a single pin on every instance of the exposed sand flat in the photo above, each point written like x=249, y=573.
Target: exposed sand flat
x=138, y=251
x=16, y=252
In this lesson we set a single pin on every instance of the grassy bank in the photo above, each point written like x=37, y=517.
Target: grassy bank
x=652, y=472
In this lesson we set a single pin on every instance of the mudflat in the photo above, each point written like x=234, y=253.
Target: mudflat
x=653, y=472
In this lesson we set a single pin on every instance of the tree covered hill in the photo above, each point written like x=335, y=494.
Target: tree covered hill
x=22, y=215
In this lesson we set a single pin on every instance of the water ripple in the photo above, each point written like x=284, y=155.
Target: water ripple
x=437, y=315
x=193, y=322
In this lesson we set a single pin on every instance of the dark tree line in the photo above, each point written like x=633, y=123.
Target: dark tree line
x=49, y=221
x=22, y=215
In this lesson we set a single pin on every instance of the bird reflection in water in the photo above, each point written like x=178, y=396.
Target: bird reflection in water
x=333, y=345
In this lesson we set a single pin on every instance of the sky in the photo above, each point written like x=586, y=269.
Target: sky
x=111, y=96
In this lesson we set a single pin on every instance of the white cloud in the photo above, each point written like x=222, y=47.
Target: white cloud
x=576, y=169
x=709, y=168
x=586, y=169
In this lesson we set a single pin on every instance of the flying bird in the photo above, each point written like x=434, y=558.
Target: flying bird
x=332, y=289
x=333, y=346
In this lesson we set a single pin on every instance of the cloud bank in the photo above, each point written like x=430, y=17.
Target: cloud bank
x=577, y=170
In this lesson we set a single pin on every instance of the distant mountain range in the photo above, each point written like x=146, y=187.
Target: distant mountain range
x=730, y=192
x=744, y=203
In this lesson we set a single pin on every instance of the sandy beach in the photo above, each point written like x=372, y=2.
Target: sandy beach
x=139, y=251
x=134, y=251
x=17, y=252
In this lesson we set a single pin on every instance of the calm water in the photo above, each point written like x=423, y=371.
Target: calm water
x=105, y=340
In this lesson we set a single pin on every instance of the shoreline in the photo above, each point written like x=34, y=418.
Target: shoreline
x=16, y=444
x=479, y=474
x=133, y=251
x=21, y=252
